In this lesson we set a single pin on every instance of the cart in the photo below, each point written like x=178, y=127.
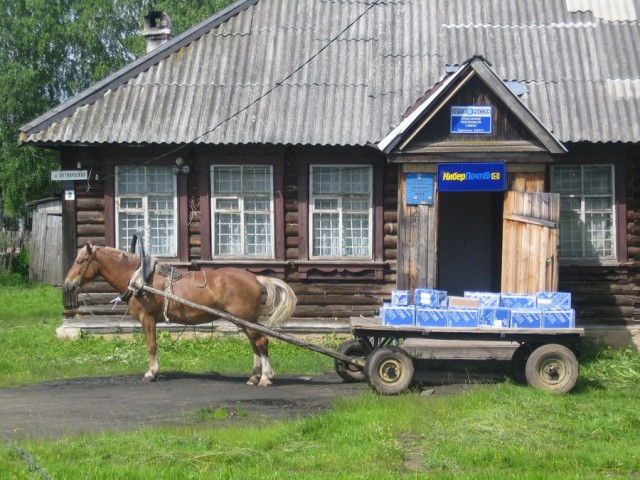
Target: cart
x=545, y=358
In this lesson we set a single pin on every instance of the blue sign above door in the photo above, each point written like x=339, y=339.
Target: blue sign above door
x=471, y=119
x=472, y=177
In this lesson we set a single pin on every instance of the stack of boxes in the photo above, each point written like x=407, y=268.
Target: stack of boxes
x=434, y=308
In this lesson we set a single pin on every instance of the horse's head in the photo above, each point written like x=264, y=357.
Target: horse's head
x=80, y=272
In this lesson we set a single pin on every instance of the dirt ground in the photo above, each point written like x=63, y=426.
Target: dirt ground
x=58, y=408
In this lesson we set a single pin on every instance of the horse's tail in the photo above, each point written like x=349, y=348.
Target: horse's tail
x=280, y=302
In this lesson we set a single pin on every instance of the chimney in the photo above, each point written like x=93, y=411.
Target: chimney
x=157, y=29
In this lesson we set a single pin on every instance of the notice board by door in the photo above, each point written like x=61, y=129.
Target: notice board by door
x=530, y=242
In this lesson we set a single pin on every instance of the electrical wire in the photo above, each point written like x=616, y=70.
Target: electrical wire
x=260, y=97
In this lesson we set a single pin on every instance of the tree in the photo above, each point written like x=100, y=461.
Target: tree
x=51, y=50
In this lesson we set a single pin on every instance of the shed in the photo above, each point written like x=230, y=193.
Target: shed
x=45, y=242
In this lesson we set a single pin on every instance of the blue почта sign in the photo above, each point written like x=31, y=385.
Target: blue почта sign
x=471, y=119
x=471, y=177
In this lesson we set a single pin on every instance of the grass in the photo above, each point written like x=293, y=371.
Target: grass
x=499, y=431
x=30, y=314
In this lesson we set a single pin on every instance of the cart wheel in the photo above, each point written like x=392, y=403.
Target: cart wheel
x=389, y=370
x=518, y=363
x=553, y=368
x=349, y=372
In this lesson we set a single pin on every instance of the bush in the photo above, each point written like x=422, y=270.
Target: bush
x=20, y=264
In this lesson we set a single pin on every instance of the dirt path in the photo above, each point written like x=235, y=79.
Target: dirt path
x=53, y=409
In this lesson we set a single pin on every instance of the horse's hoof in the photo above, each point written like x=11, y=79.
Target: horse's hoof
x=264, y=382
x=253, y=381
x=149, y=378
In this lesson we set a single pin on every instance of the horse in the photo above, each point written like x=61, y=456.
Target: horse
x=233, y=290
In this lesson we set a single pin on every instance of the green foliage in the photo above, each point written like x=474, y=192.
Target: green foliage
x=20, y=263
x=52, y=50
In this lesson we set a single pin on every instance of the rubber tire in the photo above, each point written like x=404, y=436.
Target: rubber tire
x=552, y=367
x=389, y=370
x=348, y=372
x=518, y=364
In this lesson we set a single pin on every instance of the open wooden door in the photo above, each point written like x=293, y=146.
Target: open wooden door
x=530, y=242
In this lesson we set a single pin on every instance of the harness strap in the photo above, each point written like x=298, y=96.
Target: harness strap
x=168, y=284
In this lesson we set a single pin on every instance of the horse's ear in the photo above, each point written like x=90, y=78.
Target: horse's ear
x=88, y=247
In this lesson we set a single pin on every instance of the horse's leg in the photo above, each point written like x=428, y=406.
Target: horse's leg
x=257, y=361
x=260, y=345
x=149, y=326
x=262, y=370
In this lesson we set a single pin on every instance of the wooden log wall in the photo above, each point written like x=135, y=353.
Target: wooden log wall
x=328, y=303
x=611, y=294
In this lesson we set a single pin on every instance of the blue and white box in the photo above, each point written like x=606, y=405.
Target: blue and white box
x=553, y=300
x=485, y=299
x=526, y=318
x=559, y=318
x=431, y=317
x=400, y=298
x=462, y=317
x=496, y=317
x=428, y=297
x=517, y=300
x=399, y=316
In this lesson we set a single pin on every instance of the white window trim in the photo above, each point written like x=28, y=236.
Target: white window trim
x=614, y=229
x=145, y=211
x=312, y=211
x=241, y=212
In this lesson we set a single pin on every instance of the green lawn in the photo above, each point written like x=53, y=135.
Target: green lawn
x=500, y=431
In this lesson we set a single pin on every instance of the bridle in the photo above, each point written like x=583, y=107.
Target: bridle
x=86, y=266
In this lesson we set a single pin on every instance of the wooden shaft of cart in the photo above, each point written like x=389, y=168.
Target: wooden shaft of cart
x=259, y=328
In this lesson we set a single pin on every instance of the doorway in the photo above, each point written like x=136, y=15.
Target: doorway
x=469, y=241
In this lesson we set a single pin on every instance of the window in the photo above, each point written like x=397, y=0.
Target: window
x=146, y=203
x=340, y=207
x=587, y=219
x=242, y=211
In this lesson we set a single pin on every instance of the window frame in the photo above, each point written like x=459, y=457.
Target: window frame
x=324, y=270
x=340, y=197
x=241, y=211
x=145, y=208
x=615, y=212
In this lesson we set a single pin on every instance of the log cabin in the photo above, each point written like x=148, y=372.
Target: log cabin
x=353, y=148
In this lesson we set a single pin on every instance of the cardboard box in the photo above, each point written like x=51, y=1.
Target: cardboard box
x=431, y=317
x=485, y=299
x=428, y=297
x=526, y=318
x=462, y=302
x=462, y=317
x=399, y=316
x=517, y=300
x=553, y=300
x=497, y=317
x=400, y=298
x=559, y=318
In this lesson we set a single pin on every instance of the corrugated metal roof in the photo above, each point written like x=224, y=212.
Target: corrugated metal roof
x=340, y=72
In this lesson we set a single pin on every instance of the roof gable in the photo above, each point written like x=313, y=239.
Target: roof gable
x=435, y=104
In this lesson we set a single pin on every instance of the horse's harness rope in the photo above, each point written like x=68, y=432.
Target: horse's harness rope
x=168, y=288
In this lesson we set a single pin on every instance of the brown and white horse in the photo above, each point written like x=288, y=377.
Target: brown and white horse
x=236, y=291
